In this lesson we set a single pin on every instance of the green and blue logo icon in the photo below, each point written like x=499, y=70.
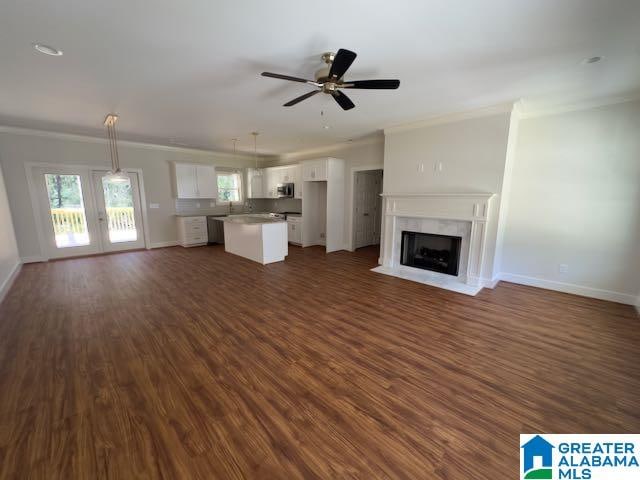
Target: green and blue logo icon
x=537, y=459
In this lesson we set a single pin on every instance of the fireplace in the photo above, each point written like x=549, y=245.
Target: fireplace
x=429, y=251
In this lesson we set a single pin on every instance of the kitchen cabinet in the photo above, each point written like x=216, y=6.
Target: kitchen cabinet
x=256, y=177
x=271, y=181
x=192, y=231
x=296, y=178
x=195, y=181
x=324, y=201
x=294, y=230
x=263, y=183
x=206, y=181
x=315, y=170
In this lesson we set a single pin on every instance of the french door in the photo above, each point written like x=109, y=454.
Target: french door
x=119, y=212
x=82, y=213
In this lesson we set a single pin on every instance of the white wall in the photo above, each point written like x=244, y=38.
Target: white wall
x=575, y=200
x=18, y=148
x=366, y=152
x=9, y=258
x=472, y=154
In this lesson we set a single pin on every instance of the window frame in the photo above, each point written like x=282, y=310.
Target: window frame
x=240, y=175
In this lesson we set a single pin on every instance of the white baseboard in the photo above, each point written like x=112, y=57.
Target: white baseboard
x=165, y=244
x=33, y=259
x=570, y=288
x=490, y=282
x=6, y=285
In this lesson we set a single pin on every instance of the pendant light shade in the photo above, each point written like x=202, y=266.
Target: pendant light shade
x=116, y=175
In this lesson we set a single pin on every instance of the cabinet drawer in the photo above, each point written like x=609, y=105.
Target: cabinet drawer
x=194, y=221
x=194, y=229
x=193, y=239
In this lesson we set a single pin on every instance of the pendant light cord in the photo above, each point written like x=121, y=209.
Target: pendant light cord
x=110, y=122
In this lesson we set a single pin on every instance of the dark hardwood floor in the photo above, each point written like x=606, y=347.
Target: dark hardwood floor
x=194, y=363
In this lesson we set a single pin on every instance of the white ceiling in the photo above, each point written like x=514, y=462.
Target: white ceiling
x=187, y=71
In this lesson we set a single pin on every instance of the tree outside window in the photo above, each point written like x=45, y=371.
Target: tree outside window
x=228, y=187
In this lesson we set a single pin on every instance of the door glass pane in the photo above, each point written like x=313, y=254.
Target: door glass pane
x=118, y=200
x=67, y=210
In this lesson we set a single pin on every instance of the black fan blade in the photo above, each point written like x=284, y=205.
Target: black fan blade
x=286, y=77
x=344, y=101
x=341, y=63
x=301, y=98
x=373, y=84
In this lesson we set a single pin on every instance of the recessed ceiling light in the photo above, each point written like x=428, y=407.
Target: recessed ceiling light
x=590, y=60
x=47, y=50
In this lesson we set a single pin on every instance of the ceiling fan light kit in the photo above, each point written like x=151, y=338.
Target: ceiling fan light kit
x=330, y=80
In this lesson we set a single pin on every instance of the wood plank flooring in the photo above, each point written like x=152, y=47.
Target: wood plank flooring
x=194, y=363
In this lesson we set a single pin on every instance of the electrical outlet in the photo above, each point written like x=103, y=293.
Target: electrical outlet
x=154, y=205
x=322, y=235
x=563, y=268
x=420, y=168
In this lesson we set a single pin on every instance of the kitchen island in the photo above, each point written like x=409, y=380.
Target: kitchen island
x=260, y=238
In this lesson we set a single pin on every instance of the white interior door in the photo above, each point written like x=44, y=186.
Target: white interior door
x=67, y=211
x=118, y=212
x=367, y=207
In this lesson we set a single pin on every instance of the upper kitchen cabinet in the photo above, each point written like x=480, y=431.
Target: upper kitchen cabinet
x=195, y=181
x=256, y=183
x=315, y=170
x=263, y=183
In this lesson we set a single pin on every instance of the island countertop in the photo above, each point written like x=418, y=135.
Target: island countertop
x=250, y=219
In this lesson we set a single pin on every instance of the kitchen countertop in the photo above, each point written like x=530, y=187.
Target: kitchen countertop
x=250, y=219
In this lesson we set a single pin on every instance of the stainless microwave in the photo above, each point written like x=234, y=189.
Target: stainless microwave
x=285, y=190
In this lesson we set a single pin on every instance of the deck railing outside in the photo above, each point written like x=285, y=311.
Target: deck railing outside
x=69, y=225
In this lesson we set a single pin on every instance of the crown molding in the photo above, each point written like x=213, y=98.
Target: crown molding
x=367, y=140
x=530, y=110
x=453, y=117
x=126, y=143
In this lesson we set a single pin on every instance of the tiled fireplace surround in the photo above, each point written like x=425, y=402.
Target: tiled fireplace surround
x=460, y=214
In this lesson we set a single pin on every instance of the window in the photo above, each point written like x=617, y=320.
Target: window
x=229, y=187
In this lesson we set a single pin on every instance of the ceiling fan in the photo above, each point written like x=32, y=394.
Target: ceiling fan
x=329, y=80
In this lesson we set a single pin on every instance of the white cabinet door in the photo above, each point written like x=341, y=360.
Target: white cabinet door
x=314, y=170
x=206, y=181
x=287, y=175
x=294, y=230
x=186, y=181
x=271, y=182
x=297, y=181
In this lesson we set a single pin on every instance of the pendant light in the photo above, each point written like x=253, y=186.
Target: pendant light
x=235, y=141
x=116, y=175
x=255, y=147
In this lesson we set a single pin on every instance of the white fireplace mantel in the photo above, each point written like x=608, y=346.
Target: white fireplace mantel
x=469, y=207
